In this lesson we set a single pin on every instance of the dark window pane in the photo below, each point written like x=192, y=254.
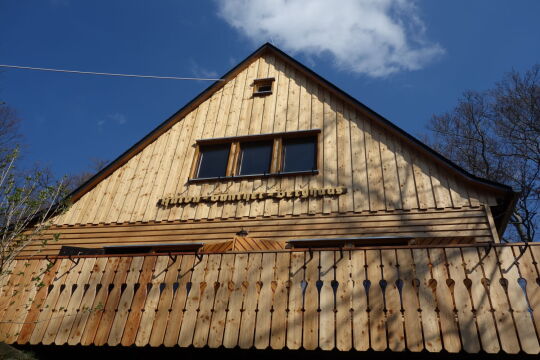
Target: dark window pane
x=299, y=154
x=255, y=158
x=213, y=162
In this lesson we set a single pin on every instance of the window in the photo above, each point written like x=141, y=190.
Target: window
x=213, y=161
x=280, y=154
x=262, y=87
x=299, y=154
x=255, y=158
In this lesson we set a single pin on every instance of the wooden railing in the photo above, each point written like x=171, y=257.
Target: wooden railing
x=466, y=298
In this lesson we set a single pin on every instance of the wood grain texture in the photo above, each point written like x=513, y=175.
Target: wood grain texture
x=471, y=299
x=381, y=171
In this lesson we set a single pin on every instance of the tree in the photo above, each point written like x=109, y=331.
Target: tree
x=28, y=197
x=495, y=134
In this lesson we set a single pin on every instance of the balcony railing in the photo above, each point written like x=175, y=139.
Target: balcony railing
x=455, y=298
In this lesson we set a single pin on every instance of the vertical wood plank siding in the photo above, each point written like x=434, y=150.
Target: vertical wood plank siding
x=471, y=299
x=381, y=172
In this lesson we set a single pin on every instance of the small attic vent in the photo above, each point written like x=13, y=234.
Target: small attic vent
x=262, y=87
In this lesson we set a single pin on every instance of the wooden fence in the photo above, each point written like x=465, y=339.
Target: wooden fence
x=466, y=298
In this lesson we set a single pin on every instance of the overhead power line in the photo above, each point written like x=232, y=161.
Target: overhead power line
x=107, y=74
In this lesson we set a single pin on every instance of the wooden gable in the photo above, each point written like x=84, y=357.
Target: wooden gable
x=381, y=171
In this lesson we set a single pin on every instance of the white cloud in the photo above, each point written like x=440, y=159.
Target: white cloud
x=199, y=71
x=116, y=117
x=373, y=37
x=119, y=118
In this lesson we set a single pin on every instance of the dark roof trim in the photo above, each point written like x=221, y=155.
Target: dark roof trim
x=164, y=126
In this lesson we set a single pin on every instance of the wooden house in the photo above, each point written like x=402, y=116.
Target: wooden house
x=274, y=211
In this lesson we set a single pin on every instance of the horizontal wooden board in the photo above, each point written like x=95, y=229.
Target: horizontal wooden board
x=429, y=227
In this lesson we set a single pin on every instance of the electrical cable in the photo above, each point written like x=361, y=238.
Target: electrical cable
x=107, y=74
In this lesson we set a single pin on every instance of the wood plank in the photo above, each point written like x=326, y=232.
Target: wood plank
x=377, y=321
x=102, y=293
x=374, y=170
x=202, y=325
x=122, y=194
x=185, y=127
x=360, y=304
x=317, y=122
x=300, y=205
x=16, y=298
x=165, y=302
x=152, y=301
x=423, y=183
x=34, y=274
x=518, y=302
x=142, y=202
x=311, y=303
x=34, y=312
x=221, y=302
x=296, y=301
x=50, y=302
x=406, y=176
x=136, y=184
x=449, y=328
x=392, y=194
x=327, y=319
x=251, y=298
x=529, y=272
x=238, y=290
x=481, y=302
x=428, y=304
x=280, y=289
x=264, y=306
x=87, y=302
x=394, y=319
x=74, y=305
x=197, y=287
x=411, y=305
x=108, y=197
x=179, y=301
x=139, y=299
x=11, y=291
x=329, y=134
x=344, y=152
x=359, y=168
x=110, y=307
x=344, y=303
x=124, y=306
x=466, y=319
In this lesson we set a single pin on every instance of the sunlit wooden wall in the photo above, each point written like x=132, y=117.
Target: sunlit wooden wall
x=381, y=172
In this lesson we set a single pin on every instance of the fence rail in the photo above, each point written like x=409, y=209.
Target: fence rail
x=456, y=299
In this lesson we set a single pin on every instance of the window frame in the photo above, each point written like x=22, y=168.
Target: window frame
x=276, y=161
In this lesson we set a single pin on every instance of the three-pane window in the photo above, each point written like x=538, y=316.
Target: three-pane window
x=257, y=155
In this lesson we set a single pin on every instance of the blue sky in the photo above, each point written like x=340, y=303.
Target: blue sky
x=405, y=59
